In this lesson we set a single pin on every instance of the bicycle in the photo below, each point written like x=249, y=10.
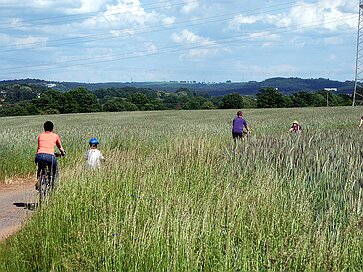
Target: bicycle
x=45, y=182
x=245, y=134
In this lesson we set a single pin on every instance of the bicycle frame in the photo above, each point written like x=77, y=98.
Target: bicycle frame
x=45, y=181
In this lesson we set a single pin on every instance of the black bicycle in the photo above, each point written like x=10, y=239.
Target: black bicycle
x=46, y=179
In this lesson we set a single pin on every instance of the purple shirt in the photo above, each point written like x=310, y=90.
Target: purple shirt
x=238, y=124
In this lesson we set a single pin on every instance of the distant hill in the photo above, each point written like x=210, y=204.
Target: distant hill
x=285, y=85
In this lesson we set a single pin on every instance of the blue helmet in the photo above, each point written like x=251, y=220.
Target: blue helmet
x=94, y=141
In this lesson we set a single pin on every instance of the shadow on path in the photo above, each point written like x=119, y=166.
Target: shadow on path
x=26, y=206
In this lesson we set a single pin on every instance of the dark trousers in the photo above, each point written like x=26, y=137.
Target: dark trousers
x=51, y=163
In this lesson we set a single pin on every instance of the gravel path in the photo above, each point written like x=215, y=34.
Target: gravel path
x=16, y=204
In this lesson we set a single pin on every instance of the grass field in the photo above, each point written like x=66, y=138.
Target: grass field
x=174, y=194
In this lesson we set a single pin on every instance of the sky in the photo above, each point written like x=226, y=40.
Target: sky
x=177, y=40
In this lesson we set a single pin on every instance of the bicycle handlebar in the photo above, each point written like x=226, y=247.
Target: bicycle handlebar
x=60, y=154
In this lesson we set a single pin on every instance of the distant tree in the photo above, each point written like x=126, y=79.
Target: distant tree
x=208, y=105
x=171, y=101
x=69, y=104
x=30, y=108
x=345, y=100
x=185, y=92
x=130, y=106
x=217, y=101
x=195, y=103
x=119, y=104
x=287, y=101
x=106, y=94
x=114, y=104
x=15, y=93
x=302, y=99
x=14, y=110
x=249, y=102
x=138, y=99
x=155, y=104
x=87, y=101
x=270, y=98
x=319, y=100
x=334, y=99
x=232, y=101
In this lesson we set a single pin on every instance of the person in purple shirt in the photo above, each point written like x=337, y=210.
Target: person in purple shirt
x=239, y=123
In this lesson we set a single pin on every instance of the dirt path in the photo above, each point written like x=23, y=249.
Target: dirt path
x=16, y=204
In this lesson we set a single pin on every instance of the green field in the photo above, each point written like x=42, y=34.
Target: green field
x=175, y=194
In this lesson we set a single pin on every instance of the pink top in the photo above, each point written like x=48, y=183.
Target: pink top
x=46, y=142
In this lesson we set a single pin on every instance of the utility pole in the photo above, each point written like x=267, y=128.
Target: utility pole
x=328, y=90
x=358, y=85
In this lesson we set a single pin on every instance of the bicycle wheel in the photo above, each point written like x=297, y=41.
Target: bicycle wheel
x=43, y=185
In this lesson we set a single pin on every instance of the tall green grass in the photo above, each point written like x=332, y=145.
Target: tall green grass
x=175, y=194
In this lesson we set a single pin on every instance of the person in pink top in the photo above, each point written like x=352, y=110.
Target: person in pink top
x=47, y=141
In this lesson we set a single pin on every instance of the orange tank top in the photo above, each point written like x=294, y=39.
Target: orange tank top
x=46, y=142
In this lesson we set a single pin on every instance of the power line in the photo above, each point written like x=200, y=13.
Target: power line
x=165, y=50
x=139, y=31
x=85, y=15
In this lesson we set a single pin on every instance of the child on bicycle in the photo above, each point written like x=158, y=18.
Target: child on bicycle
x=45, y=151
x=238, y=126
x=296, y=127
x=94, y=156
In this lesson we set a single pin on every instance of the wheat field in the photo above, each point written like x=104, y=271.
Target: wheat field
x=176, y=194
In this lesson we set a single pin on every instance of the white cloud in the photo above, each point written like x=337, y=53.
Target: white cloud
x=239, y=20
x=188, y=38
x=142, y=27
x=190, y=5
x=43, y=4
x=169, y=20
x=82, y=6
x=29, y=41
x=263, y=35
x=128, y=13
x=150, y=47
x=328, y=14
x=123, y=32
x=323, y=14
x=22, y=42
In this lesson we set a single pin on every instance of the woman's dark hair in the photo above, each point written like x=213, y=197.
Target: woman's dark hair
x=239, y=113
x=48, y=126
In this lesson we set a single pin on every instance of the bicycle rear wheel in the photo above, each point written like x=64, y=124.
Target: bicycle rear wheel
x=44, y=186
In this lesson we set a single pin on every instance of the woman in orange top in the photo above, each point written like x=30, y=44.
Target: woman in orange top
x=45, y=152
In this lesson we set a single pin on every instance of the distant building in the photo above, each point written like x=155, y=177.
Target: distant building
x=331, y=89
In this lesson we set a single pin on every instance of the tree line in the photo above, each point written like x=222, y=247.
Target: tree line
x=19, y=99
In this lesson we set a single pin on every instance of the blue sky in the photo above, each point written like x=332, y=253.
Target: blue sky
x=144, y=40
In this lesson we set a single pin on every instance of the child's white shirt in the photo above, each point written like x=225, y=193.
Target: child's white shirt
x=94, y=157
